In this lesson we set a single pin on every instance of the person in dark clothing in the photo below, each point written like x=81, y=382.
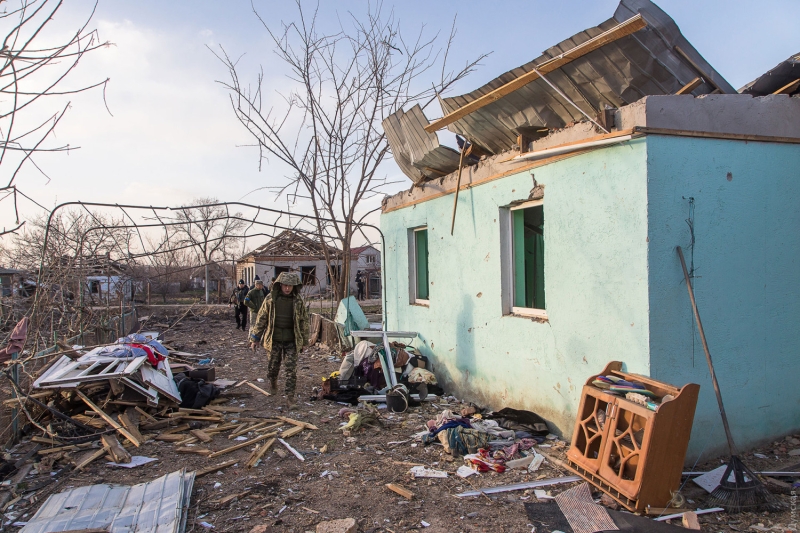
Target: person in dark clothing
x=281, y=327
x=237, y=300
x=360, y=285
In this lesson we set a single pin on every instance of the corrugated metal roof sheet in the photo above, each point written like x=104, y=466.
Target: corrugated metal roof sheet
x=158, y=506
x=417, y=152
x=654, y=60
x=774, y=79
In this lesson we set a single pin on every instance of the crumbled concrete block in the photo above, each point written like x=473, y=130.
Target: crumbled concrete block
x=345, y=525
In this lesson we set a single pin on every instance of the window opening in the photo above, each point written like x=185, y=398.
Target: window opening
x=308, y=275
x=422, y=285
x=528, y=257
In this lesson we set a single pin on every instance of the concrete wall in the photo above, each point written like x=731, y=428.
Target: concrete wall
x=747, y=261
x=595, y=284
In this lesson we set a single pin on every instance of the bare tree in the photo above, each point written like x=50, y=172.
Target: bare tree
x=328, y=132
x=35, y=61
x=210, y=230
x=79, y=244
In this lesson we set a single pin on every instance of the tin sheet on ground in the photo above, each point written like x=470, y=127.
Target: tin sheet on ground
x=158, y=506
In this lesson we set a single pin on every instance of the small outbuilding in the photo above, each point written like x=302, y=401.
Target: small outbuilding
x=553, y=250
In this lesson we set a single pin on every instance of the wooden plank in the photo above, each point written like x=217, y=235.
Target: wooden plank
x=229, y=498
x=402, y=491
x=788, y=88
x=291, y=432
x=212, y=469
x=259, y=389
x=246, y=429
x=202, y=435
x=170, y=438
x=227, y=409
x=259, y=452
x=203, y=418
x=194, y=450
x=176, y=429
x=145, y=414
x=90, y=457
x=111, y=422
x=186, y=441
x=297, y=422
x=154, y=426
x=689, y=520
x=45, y=440
x=118, y=453
x=38, y=395
x=691, y=86
x=628, y=27
x=126, y=422
x=242, y=445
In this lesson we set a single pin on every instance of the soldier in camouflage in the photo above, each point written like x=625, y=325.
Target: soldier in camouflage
x=281, y=326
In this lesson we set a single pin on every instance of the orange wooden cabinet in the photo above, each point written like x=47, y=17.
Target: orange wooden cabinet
x=628, y=451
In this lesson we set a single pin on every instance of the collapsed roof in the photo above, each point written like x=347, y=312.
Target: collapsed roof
x=783, y=79
x=637, y=53
x=289, y=244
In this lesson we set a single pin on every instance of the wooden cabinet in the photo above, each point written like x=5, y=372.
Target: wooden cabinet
x=632, y=453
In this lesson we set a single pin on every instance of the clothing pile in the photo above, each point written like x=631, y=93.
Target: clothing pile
x=487, y=442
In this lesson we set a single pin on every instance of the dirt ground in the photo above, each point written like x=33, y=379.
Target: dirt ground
x=287, y=495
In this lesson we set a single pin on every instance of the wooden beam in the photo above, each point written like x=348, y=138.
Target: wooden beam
x=628, y=27
x=788, y=88
x=242, y=445
x=402, y=491
x=212, y=469
x=110, y=421
x=259, y=389
x=258, y=453
x=691, y=86
x=297, y=422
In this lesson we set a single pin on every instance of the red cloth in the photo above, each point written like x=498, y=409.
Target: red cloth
x=153, y=357
x=17, y=340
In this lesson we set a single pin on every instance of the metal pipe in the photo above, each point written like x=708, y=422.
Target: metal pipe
x=548, y=152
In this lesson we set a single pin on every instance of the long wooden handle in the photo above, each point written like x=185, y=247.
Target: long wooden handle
x=731, y=445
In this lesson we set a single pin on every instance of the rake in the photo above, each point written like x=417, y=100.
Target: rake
x=740, y=489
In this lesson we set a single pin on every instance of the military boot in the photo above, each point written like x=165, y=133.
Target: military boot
x=273, y=385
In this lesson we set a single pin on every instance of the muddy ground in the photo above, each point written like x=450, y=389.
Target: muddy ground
x=287, y=495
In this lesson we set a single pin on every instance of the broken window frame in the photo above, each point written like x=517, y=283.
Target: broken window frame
x=413, y=266
x=508, y=260
x=308, y=274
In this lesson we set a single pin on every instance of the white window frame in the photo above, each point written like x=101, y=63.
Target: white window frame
x=412, y=266
x=507, y=261
x=370, y=259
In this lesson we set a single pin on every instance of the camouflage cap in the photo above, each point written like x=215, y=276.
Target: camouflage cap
x=289, y=278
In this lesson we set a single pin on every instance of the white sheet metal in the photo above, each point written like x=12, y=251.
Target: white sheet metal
x=158, y=506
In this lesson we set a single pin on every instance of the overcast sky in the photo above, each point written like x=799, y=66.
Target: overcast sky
x=173, y=136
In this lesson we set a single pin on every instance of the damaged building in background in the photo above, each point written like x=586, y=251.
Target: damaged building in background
x=546, y=246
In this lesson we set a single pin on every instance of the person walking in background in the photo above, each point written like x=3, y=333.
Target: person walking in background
x=282, y=328
x=360, y=285
x=237, y=300
x=254, y=299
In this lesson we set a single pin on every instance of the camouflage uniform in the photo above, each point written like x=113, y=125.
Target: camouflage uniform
x=254, y=299
x=264, y=330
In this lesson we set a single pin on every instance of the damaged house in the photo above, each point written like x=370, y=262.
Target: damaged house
x=552, y=250
x=291, y=251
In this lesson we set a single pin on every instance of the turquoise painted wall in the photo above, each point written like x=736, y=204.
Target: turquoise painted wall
x=595, y=284
x=747, y=261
